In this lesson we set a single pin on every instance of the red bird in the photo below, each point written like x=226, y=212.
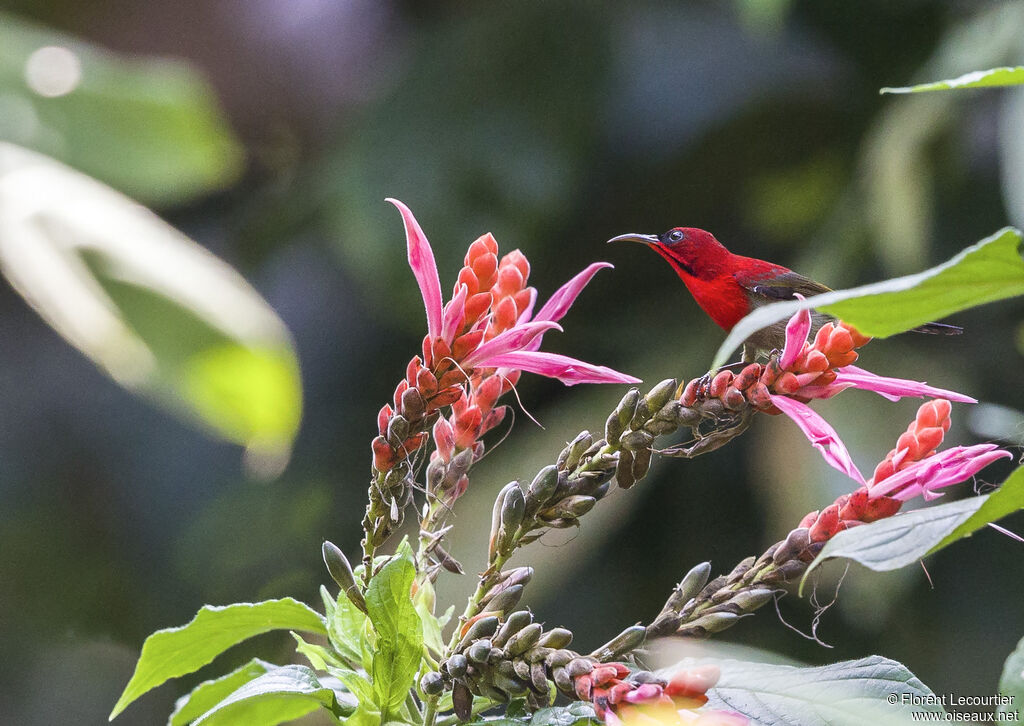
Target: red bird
x=727, y=286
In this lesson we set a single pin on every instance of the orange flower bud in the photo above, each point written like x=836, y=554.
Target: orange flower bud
x=519, y=261
x=510, y=280
x=858, y=339
x=840, y=341
x=468, y=278
x=522, y=299
x=466, y=344
x=843, y=359
x=826, y=525
x=816, y=361
x=476, y=306
x=504, y=316
x=787, y=383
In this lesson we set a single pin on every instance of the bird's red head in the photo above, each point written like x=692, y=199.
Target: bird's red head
x=692, y=252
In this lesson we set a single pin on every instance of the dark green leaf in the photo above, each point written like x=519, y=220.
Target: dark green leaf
x=992, y=269
x=1012, y=681
x=278, y=696
x=156, y=311
x=151, y=128
x=976, y=79
x=895, y=542
x=209, y=693
x=850, y=693
x=174, y=652
x=399, y=632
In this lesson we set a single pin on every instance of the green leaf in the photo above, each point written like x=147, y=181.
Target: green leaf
x=976, y=79
x=1012, y=681
x=318, y=656
x=209, y=693
x=850, y=693
x=1007, y=499
x=575, y=714
x=151, y=128
x=346, y=630
x=156, y=311
x=399, y=634
x=992, y=269
x=895, y=542
x=278, y=696
x=174, y=652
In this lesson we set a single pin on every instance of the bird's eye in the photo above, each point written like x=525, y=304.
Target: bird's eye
x=675, y=235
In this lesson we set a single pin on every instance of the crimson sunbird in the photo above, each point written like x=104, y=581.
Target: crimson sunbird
x=727, y=287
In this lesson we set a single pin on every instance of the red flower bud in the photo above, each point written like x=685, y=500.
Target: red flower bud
x=467, y=427
x=487, y=392
x=689, y=396
x=840, y=341
x=748, y=377
x=826, y=525
x=583, y=687
x=441, y=352
x=843, y=359
x=720, y=383
x=400, y=389
x=383, y=455
x=759, y=396
x=445, y=397
x=382, y=419
x=426, y=383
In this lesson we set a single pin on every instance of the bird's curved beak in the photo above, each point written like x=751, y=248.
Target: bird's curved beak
x=644, y=239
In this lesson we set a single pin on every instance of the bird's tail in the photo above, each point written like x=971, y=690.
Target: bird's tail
x=938, y=329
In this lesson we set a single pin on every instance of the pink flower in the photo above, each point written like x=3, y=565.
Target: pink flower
x=502, y=334
x=822, y=436
x=943, y=469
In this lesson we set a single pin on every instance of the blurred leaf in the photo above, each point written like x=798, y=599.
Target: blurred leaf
x=992, y=269
x=1011, y=154
x=156, y=311
x=848, y=693
x=174, y=652
x=151, y=128
x=895, y=542
x=281, y=695
x=1012, y=681
x=992, y=421
x=399, y=634
x=209, y=693
x=975, y=79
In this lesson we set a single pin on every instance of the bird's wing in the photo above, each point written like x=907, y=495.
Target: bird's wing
x=785, y=285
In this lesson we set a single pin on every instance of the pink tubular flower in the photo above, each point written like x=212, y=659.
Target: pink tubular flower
x=506, y=321
x=913, y=467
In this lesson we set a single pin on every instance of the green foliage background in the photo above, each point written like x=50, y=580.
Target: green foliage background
x=555, y=126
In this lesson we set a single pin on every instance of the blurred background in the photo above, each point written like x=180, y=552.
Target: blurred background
x=271, y=133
